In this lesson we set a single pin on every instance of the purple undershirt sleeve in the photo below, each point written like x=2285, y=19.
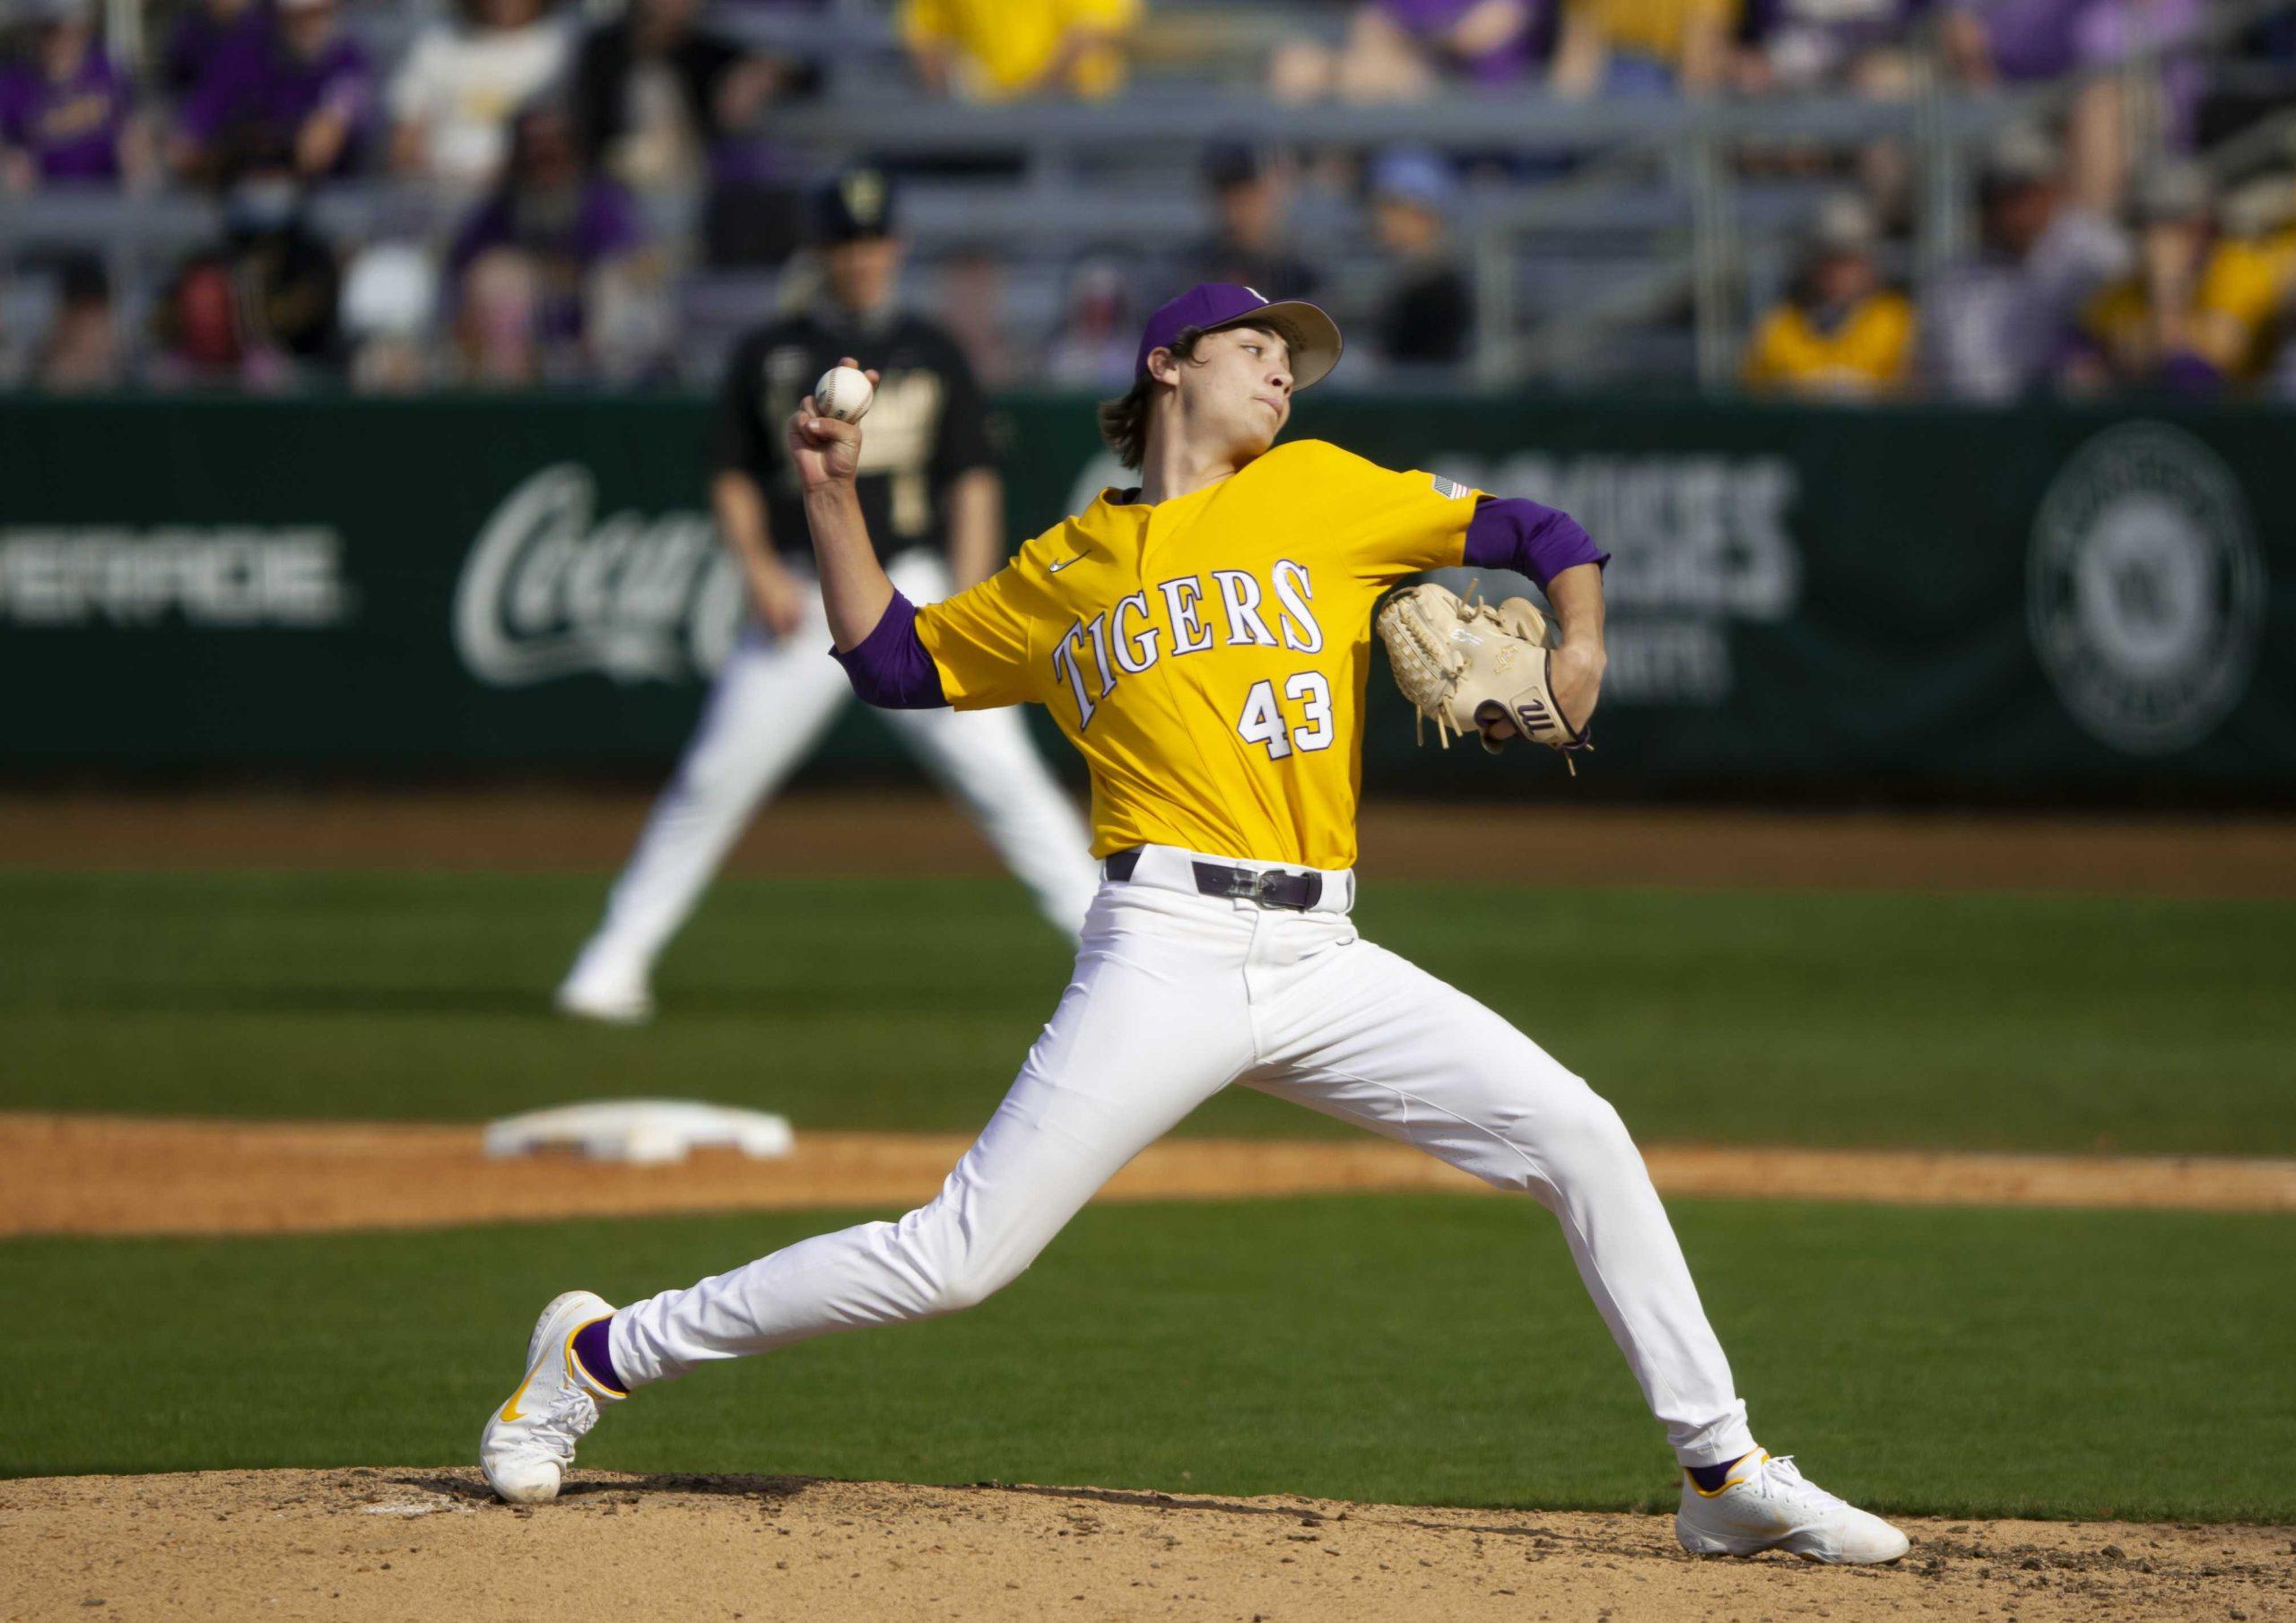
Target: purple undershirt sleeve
x=1508, y=533
x=594, y=1351
x=890, y=668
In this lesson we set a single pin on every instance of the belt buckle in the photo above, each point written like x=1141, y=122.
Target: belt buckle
x=1267, y=889
x=1263, y=888
x=1243, y=884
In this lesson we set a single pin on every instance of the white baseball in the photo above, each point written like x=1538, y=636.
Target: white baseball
x=844, y=393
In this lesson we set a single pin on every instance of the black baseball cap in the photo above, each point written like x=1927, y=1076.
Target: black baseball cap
x=855, y=206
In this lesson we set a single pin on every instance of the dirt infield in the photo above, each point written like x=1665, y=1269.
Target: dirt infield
x=899, y=833
x=364, y=1546
x=110, y=1175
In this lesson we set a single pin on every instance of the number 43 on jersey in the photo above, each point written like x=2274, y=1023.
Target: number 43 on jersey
x=1263, y=721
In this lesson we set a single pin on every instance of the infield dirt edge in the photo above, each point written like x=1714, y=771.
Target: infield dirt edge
x=106, y=1175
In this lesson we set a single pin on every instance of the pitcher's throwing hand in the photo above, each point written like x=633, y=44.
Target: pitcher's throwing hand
x=826, y=450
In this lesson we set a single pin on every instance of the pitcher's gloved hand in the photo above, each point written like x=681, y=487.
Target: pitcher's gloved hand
x=1476, y=667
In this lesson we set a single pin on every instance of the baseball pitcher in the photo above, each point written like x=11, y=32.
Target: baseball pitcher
x=932, y=499
x=1203, y=640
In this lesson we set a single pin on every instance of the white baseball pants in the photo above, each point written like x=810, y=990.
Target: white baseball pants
x=1176, y=996
x=774, y=698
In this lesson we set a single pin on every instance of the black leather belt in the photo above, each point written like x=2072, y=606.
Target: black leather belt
x=1271, y=889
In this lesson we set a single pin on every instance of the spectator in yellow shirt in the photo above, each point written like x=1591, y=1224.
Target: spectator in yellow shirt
x=2143, y=330
x=1616, y=47
x=1840, y=334
x=1002, y=50
x=2248, y=289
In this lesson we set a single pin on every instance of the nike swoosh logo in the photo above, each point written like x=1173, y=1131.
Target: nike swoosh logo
x=510, y=1411
x=1055, y=568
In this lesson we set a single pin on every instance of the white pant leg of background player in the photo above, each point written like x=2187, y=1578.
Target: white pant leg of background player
x=985, y=760
x=987, y=763
x=1153, y=1024
x=772, y=700
x=1369, y=1038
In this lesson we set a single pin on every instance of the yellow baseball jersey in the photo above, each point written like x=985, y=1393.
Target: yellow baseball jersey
x=1207, y=654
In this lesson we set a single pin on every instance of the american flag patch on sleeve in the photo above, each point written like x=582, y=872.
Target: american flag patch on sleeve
x=1449, y=489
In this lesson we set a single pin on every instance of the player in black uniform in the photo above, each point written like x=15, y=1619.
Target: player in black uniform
x=935, y=501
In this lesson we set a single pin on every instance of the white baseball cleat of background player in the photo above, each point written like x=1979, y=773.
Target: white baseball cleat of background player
x=1766, y=1504
x=624, y=1001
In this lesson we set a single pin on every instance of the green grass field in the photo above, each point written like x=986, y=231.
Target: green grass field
x=1968, y=1020
x=1434, y=1349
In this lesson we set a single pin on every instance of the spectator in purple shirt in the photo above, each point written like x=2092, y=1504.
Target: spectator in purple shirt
x=298, y=92
x=1996, y=42
x=66, y=115
x=1406, y=50
x=2016, y=41
x=655, y=92
x=200, y=31
x=566, y=237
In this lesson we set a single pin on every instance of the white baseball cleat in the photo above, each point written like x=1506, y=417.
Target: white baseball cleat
x=1769, y=1505
x=609, y=1003
x=530, y=1442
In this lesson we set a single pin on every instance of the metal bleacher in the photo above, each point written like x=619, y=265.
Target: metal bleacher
x=1614, y=240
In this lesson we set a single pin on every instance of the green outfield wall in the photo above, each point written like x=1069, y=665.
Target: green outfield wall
x=2049, y=601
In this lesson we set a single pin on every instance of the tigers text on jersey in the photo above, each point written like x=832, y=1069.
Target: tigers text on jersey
x=1207, y=654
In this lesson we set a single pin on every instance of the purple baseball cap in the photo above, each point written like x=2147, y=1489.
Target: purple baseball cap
x=1314, y=336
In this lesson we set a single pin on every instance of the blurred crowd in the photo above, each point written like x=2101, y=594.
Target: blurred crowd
x=2178, y=290
x=529, y=139
x=544, y=139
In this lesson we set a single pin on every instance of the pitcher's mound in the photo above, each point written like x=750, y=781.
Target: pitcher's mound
x=430, y=1544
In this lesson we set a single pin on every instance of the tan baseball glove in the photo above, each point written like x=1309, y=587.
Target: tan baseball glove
x=1467, y=665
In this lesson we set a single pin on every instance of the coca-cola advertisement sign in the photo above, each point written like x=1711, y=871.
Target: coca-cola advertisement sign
x=552, y=588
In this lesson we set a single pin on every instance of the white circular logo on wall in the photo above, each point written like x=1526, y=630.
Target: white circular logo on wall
x=2145, y=590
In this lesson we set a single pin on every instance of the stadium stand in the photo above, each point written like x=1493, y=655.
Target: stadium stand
x=284, y=194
